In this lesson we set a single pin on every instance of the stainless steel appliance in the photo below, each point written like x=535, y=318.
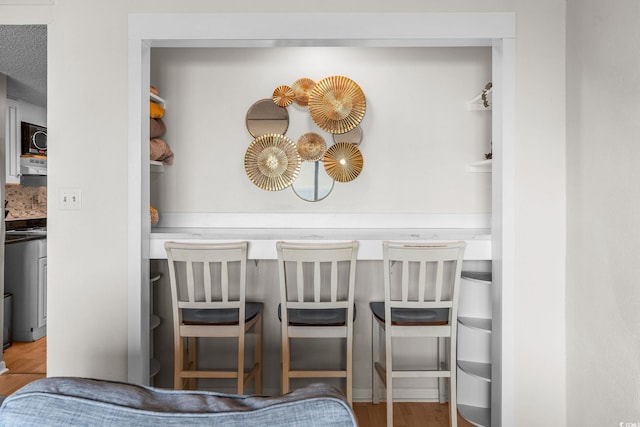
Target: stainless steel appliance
x=33, y=138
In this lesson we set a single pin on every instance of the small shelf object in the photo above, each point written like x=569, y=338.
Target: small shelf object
x=482, y=102
x=155, y=165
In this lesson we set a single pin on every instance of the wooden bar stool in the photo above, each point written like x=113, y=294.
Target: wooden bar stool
x=316, y=301
x=421, y=284
x=208, y=283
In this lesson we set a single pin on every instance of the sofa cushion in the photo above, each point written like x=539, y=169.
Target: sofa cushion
x=68, y=401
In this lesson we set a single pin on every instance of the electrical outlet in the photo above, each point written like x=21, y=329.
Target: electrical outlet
x=70, y=198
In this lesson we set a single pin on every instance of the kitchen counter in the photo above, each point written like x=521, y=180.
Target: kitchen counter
x=9, y=239
x=262, y=241
x=15, y=236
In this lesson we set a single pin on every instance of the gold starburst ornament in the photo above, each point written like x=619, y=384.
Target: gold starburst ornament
x=272, y=162
x=337, y=104
x=311, y=147
x=283, y=95
x=301, y=90
x=343, y=161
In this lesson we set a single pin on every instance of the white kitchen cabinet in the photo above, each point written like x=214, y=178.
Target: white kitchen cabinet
x=17, y=112
x=474, y=348
x=26, y=278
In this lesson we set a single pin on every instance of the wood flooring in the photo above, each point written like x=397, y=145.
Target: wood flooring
x=27, y=362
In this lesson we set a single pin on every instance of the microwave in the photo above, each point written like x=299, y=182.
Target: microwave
x=33, y=138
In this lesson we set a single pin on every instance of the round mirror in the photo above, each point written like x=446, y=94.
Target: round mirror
x=265, y=117
x=354, y=136
x=312, y=184
x=39, y=140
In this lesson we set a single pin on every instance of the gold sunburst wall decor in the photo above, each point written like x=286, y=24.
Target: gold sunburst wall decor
x=283, y=95
x=337, y=104
x=301, y=90
x=343, y=161
x=311, y=147
x=272, y=162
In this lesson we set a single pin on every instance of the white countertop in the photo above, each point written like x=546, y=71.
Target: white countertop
x=262, y=240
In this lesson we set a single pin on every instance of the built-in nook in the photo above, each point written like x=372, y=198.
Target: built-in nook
x=208, y=212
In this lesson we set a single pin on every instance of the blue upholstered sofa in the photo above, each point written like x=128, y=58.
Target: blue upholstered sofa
x=87, y=402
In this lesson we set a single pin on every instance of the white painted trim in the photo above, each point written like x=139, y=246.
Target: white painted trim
x=375, y=30
x=138, y=355
x=503, y=233
x=322, y=29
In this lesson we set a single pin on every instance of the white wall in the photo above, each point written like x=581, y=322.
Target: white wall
x=603, y=87
x=88, y=124
x=418, y=138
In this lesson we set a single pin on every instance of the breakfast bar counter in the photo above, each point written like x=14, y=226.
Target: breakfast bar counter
x=262, y=241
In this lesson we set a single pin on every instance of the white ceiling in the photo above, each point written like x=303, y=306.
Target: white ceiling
x=23, y=58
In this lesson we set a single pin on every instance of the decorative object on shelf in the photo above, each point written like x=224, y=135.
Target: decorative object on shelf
x=337, y=104
x=283, y=96
x=311, y=147
x=489, y=155
x=483, y=100
x=485, y=94
x=272, y=162
x=264, y=117
x=343, y=161
x=154, y=215
x=156, y=111
x=301, y=89
x=159, y=150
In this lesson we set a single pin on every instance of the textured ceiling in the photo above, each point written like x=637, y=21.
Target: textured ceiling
x=23, y=58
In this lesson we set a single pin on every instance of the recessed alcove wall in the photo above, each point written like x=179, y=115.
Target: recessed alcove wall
x=418, y=135
x=400, y=30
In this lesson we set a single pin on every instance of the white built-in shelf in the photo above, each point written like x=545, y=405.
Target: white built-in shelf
x=154, y=322
x=483, y=166
x=154, y=367
x=476, y=369
x=476, y=323
x=158, y=99
x=474, y=348
x=156, y=166
x=480, y=417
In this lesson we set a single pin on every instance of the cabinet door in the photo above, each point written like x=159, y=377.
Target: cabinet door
x=42, y=292
x=12, y=146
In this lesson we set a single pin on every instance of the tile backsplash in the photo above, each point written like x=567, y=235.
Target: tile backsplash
x=25, y=202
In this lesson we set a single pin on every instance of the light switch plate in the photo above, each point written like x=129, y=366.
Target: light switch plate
x=70, y=198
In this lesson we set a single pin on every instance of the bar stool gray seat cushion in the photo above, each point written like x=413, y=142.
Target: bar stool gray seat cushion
x=64, y=401
x=223, y=316
x=413, y=316
x=317, y=317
